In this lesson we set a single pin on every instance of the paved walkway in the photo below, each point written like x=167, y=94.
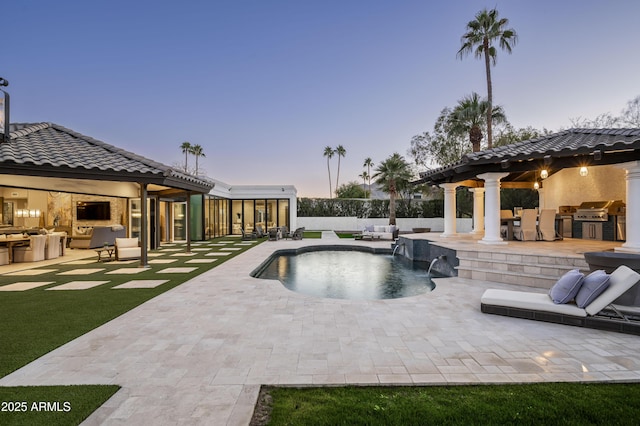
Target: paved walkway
x=198, y=353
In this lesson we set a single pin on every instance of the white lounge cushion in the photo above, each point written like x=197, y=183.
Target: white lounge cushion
x=620, y=280
x=529, y=301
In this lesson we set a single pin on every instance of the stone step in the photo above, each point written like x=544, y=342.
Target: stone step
x=529, y=270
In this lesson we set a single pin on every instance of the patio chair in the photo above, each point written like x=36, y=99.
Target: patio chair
x=248, y=236
x=34, y=252
x=259, y=231
x=526, y=231
x=52, y=247
x=285, y=232
x=4, y=256
x=273, y=234
x=547, y=225
x=505, y=214
x=599, y=312
x=127, y=248
x=298, y=234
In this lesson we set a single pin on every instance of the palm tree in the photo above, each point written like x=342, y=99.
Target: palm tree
x=368, y=164
x=470, y=115
x=341, y=153
x=364, y=175
x=328, y=152
x=198, y=151
x=481, y=33
x=392, y=174
x=186, y=150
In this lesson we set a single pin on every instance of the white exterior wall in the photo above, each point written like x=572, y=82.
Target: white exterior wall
x=358, y=224
x=260, y=192
x=568, y=188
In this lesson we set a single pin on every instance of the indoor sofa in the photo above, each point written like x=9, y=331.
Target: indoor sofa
x=98, y=237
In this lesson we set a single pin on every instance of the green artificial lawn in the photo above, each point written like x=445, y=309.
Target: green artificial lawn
x=51, y=405
x=530, y=404
x=36, y=321
x=312, y=234
x=345, y=234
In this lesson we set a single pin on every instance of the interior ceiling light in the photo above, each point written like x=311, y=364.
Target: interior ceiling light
x=584, y=171
x=544, y=174
x=536, y=185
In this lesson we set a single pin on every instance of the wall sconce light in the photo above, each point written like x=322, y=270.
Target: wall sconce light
x=584, y=171
x=19, y=213
x=536, y=185
x=34, y=213
x=544, y=173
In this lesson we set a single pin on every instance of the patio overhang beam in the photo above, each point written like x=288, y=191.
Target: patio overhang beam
x=105, y=175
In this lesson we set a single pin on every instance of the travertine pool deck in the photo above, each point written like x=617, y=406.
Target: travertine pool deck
x=198, y=353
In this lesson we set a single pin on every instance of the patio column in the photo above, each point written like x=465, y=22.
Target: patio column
x=632, y=178
x=492, y=208
x=449, y=209
x=541, y=199
x=478, y=211
x=144, y=230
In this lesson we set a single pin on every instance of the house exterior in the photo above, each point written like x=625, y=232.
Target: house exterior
x=580, y=165
x=49, y=174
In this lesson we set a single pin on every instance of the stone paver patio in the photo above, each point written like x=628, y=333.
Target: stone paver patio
x=198, y=353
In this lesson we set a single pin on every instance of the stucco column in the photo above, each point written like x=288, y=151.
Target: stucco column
x=478, y=211
x=449, y=209
x=632, y=178
x=541, y=199
x=492, y=208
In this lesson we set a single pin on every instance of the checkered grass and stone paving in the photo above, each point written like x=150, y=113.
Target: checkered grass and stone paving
x=47, y=306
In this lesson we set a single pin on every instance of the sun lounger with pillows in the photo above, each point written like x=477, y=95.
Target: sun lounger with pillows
x=573, y=300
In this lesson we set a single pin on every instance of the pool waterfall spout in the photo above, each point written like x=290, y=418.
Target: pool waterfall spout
x=395, y=249
x=433, y=262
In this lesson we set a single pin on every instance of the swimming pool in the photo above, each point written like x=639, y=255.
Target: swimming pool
x=346, y=273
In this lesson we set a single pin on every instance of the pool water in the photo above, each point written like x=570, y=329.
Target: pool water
x=351, y=275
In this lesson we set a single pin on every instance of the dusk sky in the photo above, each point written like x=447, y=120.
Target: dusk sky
x=264, y=86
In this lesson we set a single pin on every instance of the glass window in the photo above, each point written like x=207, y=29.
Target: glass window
x=249, y=217
x=179, y=221
x=283, y=213
x=261, y=214
x=272, y=213
x=236, y=214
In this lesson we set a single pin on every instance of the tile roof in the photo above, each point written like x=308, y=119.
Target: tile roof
x=566, y=145
x=48, y=145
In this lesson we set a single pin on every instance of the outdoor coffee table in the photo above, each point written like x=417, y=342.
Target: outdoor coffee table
x=109, y=250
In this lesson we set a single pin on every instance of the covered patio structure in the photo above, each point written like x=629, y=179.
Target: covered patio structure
x=579, y=165
x=49, y=157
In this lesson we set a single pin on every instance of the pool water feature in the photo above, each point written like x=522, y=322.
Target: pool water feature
x=347, y=274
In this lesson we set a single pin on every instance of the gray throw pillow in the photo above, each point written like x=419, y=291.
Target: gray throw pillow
x=592, y=286
x=566, y=288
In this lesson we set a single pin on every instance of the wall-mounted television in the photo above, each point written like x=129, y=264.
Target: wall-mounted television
x=93, y=210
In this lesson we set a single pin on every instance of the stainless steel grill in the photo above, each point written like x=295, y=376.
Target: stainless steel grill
x=597, y=211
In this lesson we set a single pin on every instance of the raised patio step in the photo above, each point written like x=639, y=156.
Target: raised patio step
x=530, y=270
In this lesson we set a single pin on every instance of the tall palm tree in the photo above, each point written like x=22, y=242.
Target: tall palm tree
x=470, y=116
x=368, y=163
x=364, y=175
x=393, y=174
x=341, y=153
x=481, y=34
x=186, y=150
x=328, y=152
x=198, y=151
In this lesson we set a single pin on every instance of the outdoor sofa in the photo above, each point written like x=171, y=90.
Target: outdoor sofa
x=98, y=237
x=388, y=232
x=599, y=312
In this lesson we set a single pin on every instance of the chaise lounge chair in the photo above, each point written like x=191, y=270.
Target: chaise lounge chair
x=599, y=313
